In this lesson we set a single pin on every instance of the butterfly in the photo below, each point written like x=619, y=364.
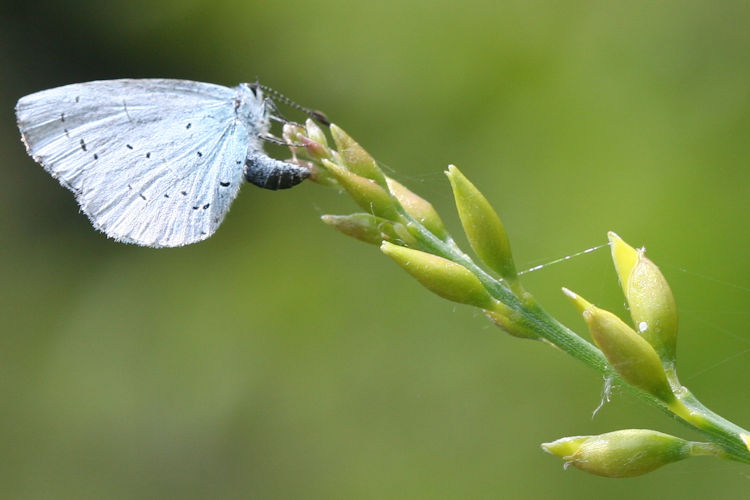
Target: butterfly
x=155, y=162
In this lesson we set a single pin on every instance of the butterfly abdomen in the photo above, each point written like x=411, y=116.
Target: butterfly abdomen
x=268, y=173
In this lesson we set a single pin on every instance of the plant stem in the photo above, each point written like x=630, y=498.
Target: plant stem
x=721, y=431
x=356, y=171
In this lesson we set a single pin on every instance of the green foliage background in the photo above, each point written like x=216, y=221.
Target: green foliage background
x=281, y=360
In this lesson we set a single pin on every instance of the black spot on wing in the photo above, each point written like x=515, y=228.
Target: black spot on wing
x=83, y=145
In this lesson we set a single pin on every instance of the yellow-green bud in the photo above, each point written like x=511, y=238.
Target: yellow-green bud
x=746, y=439
x=482, y=225
x=419, y=208
x=624, y=453
x=368, y=195
x=315, y=133
x=319, y=174
x=402, y=235
x=314, y=149
x=510, y=321
x=355, y=157
x=441, y=276
x=649, y=297
x=368, y=228
x=631, y=356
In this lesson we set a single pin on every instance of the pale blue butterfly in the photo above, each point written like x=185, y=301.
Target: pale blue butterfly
x=154, y=162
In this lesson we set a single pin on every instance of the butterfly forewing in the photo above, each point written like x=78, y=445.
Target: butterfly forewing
x=152, y=162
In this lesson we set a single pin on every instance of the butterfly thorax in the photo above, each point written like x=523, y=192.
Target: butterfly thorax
x=250, y=108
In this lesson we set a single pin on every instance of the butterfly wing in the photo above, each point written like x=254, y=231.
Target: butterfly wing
x=151, y=162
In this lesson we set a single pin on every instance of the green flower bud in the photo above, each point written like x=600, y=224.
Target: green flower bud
x=319, y=174
x=624, y=453
x=510, y=322
x=419, y=208
x=482, y=225
x=314, y=149
x=315, y=133
x=746, y=439
x=368, y=195
x=355, y=157
x=370, y=229
x=441, y=276
x=649, y=297
x=631, y=356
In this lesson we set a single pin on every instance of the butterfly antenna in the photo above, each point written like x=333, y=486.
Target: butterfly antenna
x=316, y=115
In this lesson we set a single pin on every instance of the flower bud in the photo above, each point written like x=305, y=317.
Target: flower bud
x=365, y=192
x=370, y=229
x=419, y=208
x=314, y=149
x=319, y=174
x=624, y=453
x=649, y=297
x=291, y=132
x=355, y=157
x=482, y=225
x=441, y=276
x=631, y=357
x=510, y=322
x=746, y=439
x=315, y=133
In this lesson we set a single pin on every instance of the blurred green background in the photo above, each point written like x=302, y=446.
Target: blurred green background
x=281, y=360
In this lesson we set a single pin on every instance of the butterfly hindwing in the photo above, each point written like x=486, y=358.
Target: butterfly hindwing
x=152, y=162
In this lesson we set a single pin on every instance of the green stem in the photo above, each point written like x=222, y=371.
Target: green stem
x=720, y=431
x=533, y=318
